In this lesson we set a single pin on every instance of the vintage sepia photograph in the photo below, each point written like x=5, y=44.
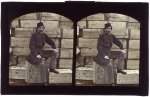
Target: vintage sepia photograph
x=74, y=48
x=109, y=50
x=41, y=50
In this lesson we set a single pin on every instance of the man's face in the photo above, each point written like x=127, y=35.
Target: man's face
x=108, y=30
x=41, y=29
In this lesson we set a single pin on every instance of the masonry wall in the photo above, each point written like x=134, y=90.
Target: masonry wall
x=125, y=28
x=57, y=27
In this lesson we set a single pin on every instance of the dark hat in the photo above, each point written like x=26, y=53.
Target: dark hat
x=108, y=25
x=40, y=24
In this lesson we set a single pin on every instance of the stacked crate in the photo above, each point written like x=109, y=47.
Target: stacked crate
x=125, y=28
x=57, y=27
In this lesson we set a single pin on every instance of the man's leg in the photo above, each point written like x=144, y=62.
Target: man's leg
x=120, y=56
x=52, y=56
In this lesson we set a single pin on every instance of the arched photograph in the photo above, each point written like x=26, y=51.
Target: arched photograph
x=108, y=48
x=41, y=50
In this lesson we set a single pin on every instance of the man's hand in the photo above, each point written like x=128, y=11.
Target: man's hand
x=39, y=56
x=55, y=50
x=123, y=51
x=106, y=57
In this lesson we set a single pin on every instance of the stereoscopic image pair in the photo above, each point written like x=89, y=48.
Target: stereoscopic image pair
x=42, y=51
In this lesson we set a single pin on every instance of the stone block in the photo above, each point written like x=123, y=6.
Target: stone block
x=33, y=74
x=123, y=41
x=96, y=24
x=134, y=44
x=63, y=18
x=133, y=54
x=16, y=72
x=49, y=16
x=29, y=16
x=53, y=31
x=15, y=23
x=18, y=51
x=133, y=25
x=82, y=24
x=84, y=73
x=28, y=23
x=68, y=33
x=119, y=28
x=56, y=41
x=132, y=20
x=135, y=34
x=66, y=24
x=65, y=63
x=90, y=43
x=50, y=25
x=67, y=43
x=132, y=77
x=133, y=64
x=99, y=16
x=66, y=53
x=64, y=76
x=89, y=61
x=117, y=17
x=22, y=60
x=91, y=33
x=88, y=51
x=20, y=42
x=12, y=60
x=23, y=32
x=100, y=75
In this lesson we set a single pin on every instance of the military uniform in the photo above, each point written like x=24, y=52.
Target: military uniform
x=104, y=45
x=37, y=42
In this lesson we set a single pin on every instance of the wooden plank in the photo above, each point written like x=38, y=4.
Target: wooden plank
x=29, y=16
x=91, y=33
x=23, y=32
x=82, y=24
x=28, y=23
x=96, y=24
x=117, y=17
x=135, y=33
x=66, y=24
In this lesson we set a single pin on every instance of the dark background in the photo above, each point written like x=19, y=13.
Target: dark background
x=75, y=11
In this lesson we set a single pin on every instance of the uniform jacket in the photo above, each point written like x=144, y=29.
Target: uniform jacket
x=36, y=44
x=104, y=45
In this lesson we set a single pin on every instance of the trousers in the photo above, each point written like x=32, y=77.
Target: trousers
x=43, y=68
x=109, y=67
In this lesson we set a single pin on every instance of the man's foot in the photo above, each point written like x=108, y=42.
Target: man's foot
x=121, y=71
x=54, y=71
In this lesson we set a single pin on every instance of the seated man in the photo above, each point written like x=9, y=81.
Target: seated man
x=104, y=55
x=37, y=42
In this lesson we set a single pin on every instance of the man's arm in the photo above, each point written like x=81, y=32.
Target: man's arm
x=32, y=44
x=100, y=46
x=50, y=42
x=117, y=42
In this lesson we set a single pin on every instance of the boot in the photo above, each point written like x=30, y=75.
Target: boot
x=54, y=71
x=121, y=71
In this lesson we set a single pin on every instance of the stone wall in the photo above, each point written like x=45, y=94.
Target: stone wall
x=125, y=28
x=57, y=27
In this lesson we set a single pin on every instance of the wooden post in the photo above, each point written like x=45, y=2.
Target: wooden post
x=100, y=75
x=33, y=72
